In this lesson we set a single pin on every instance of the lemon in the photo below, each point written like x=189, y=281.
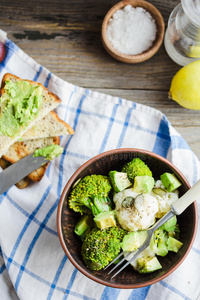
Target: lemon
x=185, y=86
x=194, y=51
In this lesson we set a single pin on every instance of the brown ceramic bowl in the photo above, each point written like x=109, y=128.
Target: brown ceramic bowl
x=66, y=219
x=156, y=15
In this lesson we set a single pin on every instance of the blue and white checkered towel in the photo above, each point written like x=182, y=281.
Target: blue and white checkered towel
x=33, y=265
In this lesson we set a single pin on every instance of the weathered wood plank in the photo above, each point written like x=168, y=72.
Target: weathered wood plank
x=70, y=32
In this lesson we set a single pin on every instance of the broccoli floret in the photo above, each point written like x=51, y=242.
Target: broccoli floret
x=100, y=247
x=82, y=195
x=100, y=204
x=136, y=167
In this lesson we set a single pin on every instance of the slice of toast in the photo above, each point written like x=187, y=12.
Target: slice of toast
x=20, y=149
x=50, y=101
x=49, y=126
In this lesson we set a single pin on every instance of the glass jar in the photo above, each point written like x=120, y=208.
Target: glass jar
x=182, y=37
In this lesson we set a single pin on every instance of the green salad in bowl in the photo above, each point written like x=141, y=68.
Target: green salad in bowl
x=107, y=206
x=118, y=208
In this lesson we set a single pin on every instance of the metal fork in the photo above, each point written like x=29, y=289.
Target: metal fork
x=176, y=209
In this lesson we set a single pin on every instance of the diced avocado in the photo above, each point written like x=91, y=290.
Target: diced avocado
x=148, y=264
x=119, y=181
x=158, y=243
x=159, y=249
x=170, y=225
x=143, y=184
x=170, y=181
x=173, y=244
x=83, y=226
x=162, y=249
x=105, y=220
x=133, y=240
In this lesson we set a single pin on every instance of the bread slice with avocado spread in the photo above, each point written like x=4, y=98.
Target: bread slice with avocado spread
x=20, y=149
x=49, y=126
x=22, y=104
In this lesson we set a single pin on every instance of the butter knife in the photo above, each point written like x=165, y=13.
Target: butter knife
x=19, y=170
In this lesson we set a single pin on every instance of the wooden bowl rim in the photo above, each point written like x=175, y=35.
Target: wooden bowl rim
x=144, y=55
x=59, y=215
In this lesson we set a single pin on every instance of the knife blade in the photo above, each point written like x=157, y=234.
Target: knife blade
x=19, y=170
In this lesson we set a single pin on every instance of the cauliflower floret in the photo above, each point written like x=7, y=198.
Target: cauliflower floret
x=119, y=197
x=139, y=213
x=164, y=200
x=163, y=206
x=173, y=196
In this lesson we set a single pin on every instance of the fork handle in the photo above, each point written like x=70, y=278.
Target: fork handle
x=189, y=197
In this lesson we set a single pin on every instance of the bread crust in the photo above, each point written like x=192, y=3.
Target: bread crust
x=70, y=130
x=51, y=125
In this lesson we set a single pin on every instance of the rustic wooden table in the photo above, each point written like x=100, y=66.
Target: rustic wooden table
x=65, y=37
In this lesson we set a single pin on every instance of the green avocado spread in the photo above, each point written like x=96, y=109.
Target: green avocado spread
x=50, y=152
x=19, y=105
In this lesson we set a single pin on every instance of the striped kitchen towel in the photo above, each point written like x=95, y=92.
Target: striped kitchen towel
x=32, y=262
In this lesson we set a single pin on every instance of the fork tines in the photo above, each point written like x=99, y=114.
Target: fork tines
x=127, y=255
x=134, y=254
x=114, y=260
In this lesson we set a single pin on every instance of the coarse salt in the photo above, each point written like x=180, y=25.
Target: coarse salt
x=131, y=30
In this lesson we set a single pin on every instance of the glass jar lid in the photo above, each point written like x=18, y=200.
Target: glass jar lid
x=192, y=10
